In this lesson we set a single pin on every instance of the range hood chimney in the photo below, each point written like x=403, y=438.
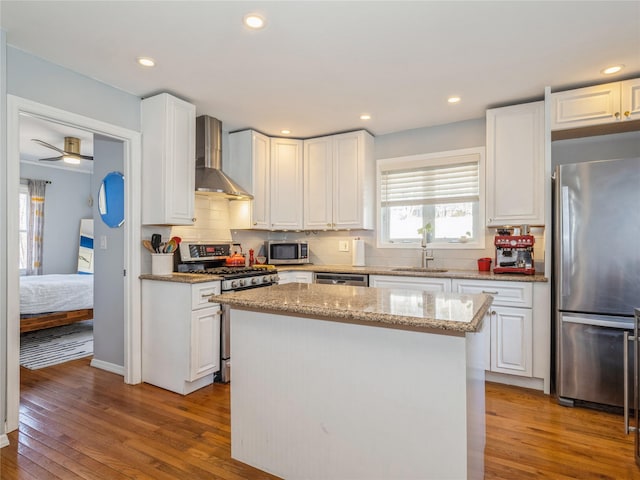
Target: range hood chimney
x=209, y=175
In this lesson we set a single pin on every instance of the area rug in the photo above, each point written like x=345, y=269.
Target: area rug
x=52, y=346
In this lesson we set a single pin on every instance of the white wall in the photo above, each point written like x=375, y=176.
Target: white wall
x=66, y=203
x=3, y=236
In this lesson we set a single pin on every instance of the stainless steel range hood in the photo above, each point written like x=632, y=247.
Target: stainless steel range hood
x=209, y=175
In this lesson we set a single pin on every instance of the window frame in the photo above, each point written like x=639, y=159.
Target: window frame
x=433, y=160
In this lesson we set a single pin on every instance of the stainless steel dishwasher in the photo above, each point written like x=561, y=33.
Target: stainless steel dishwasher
x=361, y=280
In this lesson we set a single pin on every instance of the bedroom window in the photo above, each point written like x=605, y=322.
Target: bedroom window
x=443, y=190
x=23, y=227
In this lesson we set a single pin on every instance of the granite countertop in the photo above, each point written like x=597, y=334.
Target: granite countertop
x=369, y=270
x=181, y=277
x=393, y=308
x=416, y=272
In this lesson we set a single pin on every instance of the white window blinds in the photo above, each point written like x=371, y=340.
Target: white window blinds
x=430, y=184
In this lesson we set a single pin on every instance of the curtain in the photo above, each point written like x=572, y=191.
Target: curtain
x=36, y=226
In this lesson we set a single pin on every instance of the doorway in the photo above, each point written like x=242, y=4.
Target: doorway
x=131, y=142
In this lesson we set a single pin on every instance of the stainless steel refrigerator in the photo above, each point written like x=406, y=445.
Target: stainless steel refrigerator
x=596, y=278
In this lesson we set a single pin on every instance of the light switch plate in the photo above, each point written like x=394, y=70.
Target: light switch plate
x=343, y=246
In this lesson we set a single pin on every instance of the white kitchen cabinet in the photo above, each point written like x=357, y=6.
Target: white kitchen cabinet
x=509, y=324
x=249, y=165
x=180, y=335
x=286, y=184
x=293, y=276
x=515, y=165
x=597, y=105
x=168, y=160
x=271, y=170
x=339, y=182
x=436, y=285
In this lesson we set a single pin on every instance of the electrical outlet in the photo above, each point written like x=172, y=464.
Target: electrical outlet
x=343, y=246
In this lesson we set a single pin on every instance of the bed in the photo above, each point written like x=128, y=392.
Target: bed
x=53, y=300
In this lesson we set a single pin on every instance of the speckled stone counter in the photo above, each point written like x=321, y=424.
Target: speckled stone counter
x=181, y=277
x=416, y=272
x=393, y=308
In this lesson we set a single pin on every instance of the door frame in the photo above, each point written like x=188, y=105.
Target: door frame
x=132, y=172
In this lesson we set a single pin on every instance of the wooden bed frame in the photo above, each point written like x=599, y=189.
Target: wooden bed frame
x=47, y=320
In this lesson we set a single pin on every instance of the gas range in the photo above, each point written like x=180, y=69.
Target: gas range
x=209, y=258
x=240, y=278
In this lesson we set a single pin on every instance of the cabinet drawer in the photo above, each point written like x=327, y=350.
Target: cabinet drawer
x=511, y=294
x=201, y=292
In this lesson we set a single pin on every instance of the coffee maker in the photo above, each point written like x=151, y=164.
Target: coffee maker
x=514, y=253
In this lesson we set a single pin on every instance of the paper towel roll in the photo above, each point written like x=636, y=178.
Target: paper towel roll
x=357, y=250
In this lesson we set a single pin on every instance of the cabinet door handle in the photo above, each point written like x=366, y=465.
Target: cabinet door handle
x=627, y=428
x=488, y=292
x=617, y=115
x=255, y=223
x=627, y=114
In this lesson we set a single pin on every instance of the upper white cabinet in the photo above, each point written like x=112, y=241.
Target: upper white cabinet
x=271, y=170
x=515, y=165
x=286, y=184
x=168, y=160
x=600, y=104
x=249, y=165
x=339, y=182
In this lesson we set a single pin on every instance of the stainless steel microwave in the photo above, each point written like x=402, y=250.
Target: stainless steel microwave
x=284, y=252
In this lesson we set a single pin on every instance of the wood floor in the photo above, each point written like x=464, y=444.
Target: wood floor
x=81, y=422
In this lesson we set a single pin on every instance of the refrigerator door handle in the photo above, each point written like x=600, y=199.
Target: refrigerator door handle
x=627, y=428
x=567, y=254
x=596, y=322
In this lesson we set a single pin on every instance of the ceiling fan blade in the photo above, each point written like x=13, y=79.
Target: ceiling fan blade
x=48, y=145
x=51, y=159
x=85, y=157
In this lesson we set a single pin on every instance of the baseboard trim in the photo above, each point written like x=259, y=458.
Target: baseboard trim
x=515, y=380
x=4, y=441
x=109, y=367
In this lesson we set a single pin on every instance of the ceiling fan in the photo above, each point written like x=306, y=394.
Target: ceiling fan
x=70, y=154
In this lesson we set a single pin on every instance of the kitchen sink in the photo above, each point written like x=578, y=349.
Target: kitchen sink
x=418, y=269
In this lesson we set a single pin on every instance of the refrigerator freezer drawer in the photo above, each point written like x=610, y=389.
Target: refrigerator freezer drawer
x=591, y=365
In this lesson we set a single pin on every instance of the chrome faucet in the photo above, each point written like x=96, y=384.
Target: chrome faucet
x=425, y=255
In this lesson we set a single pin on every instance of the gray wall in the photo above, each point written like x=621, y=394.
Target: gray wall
x=66, y=203
x=44, y=82
x=604, y=147
x=453, y=136
x=108, y=283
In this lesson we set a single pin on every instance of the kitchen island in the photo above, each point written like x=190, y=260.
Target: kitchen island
x=336, y=382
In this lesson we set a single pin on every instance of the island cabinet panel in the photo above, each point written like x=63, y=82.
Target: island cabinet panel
x=319, y=399
x=508, y=326
x=180, y=335
x=515, y=165
x=412, y=283
x=168, y=160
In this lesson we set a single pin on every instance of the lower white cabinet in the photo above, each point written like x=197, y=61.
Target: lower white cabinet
x=180, y=334
x=293, y=276
x=508, y=327
x=413, y=283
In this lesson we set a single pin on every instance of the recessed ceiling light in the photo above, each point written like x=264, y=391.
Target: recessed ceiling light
x=365, y=116
x=612, y=70
x=146, y=61
x=285, y=131
x=453, y=99
x=254, y=21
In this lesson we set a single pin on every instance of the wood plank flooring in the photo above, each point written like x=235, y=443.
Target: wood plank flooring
x=78, y=422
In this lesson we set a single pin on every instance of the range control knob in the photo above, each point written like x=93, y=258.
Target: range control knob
x=254, y=280
x=234, y=283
